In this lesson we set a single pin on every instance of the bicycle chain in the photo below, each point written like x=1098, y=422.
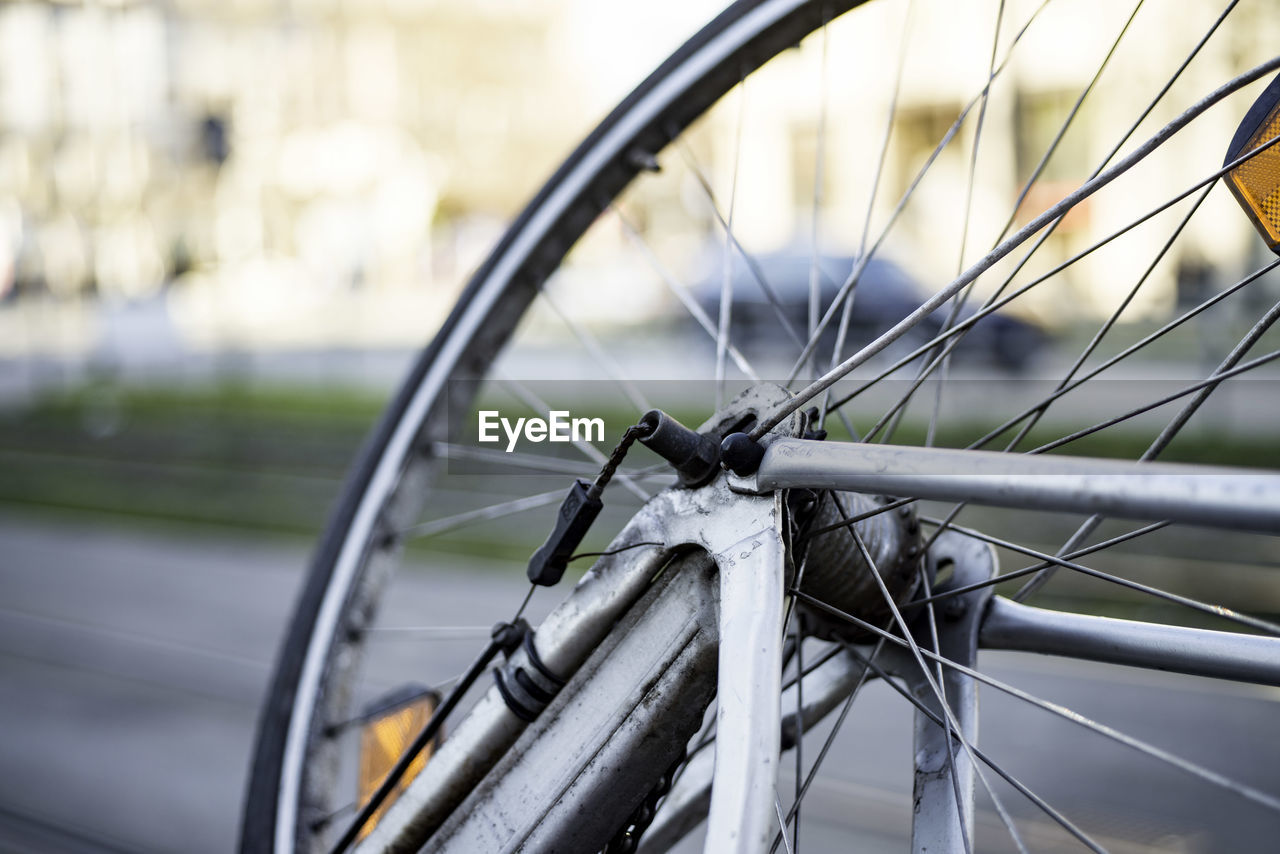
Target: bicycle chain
x=627, y=840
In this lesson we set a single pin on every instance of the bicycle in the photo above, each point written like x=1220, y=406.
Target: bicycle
x=777, y=551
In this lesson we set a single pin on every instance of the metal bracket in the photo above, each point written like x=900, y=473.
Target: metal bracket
x=939, y=823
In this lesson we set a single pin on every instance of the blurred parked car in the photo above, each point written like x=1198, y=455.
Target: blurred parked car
x=885, y=294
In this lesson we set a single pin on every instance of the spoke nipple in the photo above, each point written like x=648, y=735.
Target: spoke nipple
x=643, y=160
x=741, y=454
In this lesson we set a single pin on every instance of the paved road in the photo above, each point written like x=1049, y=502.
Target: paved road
x=133, y=666
x=133, y=663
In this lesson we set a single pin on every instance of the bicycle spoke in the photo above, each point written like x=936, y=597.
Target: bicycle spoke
x=726, y=284
x=748, y=259
x=947, y=724
x=681, y=292
x=995, y=306
x=815, y=292
x=958, y=304
x=1026, y=189
x=1106, y=327
x=1047, y=217
x=1075, y=111
x=533, y=462
x=1127, y=352
x=1044, y=161
x=1198, y=771
x=812, y=666
x=1204, y=608
x=892, y=114
x=435, y=527
x=1079, y=361
x=846, y=310
x=1069, y=385
x=943, y=527
x=790, y=623
x=798, y=750
x=1229, y=367
x=1026, y=232
x=1114, y=317
x=1043, y=805
x=858, y=517
x=977, y=140
x=782, y=823
x=934, y=686
x=435, y=633
x=1201, y=386
x=851, y=282
x=831, y=736
x=1026, y=570
x=593, y=346
x=1164, y=90
x=587, y=449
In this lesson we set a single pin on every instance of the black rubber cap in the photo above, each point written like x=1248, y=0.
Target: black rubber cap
x=694, y=456
x=741, y=454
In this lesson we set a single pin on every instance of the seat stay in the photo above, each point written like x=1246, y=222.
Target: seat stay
x=743, y=534
x=748, y=715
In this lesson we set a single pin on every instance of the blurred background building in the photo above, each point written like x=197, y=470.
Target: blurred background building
x=324, y=173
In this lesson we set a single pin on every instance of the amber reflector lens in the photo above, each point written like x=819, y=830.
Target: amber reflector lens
x=383, y=739
x=1256, y=182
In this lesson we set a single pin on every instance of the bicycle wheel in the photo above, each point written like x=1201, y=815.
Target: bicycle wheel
x=342, y=647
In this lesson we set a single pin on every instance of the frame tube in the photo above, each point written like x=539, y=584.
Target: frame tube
x=1200, y=652
x=1218, y=497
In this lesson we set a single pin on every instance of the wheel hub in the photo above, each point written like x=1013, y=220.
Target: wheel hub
x=837, y=562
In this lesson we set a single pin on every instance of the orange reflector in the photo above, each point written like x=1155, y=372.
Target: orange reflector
x=384, y=737
x=1256, y=182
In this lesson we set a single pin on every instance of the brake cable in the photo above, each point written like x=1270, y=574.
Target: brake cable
x=696, y=460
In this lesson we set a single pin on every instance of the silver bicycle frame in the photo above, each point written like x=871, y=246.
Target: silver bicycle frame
x=1199, y=495
x=738, y=521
